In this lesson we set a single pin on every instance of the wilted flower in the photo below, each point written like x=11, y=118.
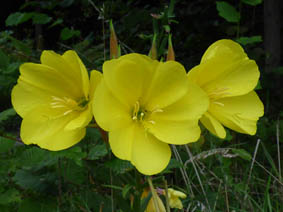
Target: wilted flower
x=150, y=206
x=146, y=105
x=228, y=77
x=174, y=198
x=53, y=98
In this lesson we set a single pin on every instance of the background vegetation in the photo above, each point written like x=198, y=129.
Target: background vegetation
x=240, y=173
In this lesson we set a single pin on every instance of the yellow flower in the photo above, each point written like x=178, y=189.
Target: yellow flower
x=146, y=105
x=228, y=77
x=150, y=206
x=174, y=198
x=53, y=98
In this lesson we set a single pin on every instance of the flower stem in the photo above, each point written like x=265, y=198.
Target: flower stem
x=154, y=194
x=166, y=195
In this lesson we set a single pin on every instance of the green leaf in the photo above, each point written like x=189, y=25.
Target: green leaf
x=243, y=154
x=19, y=45
x=97, y=152
x=12, y=68
x=119, y=166
x=6, y=144
x=74, y=153
x=17, y=18
x=67, y=33
x=4, y=115
x=252, y=2
x=10, y=196
x=228, y=12
x=40, y=18
x=28, y=180
x=38, y=205
x=125, y=190
x=4, y=59
x=73, y=173
x=58, y=21
x=249, y=40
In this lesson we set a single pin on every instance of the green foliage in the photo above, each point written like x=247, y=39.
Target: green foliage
x=6, y=144
x=249, y=40
x=228, y=12
x=9, y=196
x=17, y=18
x=67, y=33
x=252, y=2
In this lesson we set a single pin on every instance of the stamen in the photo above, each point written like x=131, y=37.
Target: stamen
x=218, y=103
x=151, y=121
x=218, y=93
x=57, y=106
x=67, y=112
x=157, y=110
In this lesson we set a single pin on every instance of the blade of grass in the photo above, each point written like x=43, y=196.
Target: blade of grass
x=197, y=174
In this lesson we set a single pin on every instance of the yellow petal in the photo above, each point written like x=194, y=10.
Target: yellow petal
x=68, y=66
x=108, y=112
x=173, y=196
x=151, y=207
x=191, y=106
x=95, y=77
x=239, y=113
x=49, y=133
x=78, y=68
x=168, y=84
x=175, y=132
x=26, y=97
x=178, y=122
x=121, y=142
x=82, y=119
x=128, y=76
x=213, y=125
x=149, y=155
x=225, y=70
x=48, y=80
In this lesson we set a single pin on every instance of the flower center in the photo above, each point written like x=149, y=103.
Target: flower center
x=138, y=112
x=144, y=116
x=68, y=104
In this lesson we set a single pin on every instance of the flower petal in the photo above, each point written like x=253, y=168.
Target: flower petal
x=239, y=113
x=169, y=83
x=213, y=125
x=82, y=119
x=95, y=77
x=79, y=69
x=69, y=66
x=128, y=76
x=108, y=112
x=225, y=70
x=121, y=142
x=49, y=133
x=191, y=106
x=149, y=155
x=48, y=80
x=26, y=97
x=175, y=132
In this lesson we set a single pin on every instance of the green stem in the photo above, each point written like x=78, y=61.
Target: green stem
x=166, y=195
x=154, y=194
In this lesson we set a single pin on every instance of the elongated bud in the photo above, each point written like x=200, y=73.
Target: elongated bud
x=170, y=53
x=153, y=50
x=114, y=51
